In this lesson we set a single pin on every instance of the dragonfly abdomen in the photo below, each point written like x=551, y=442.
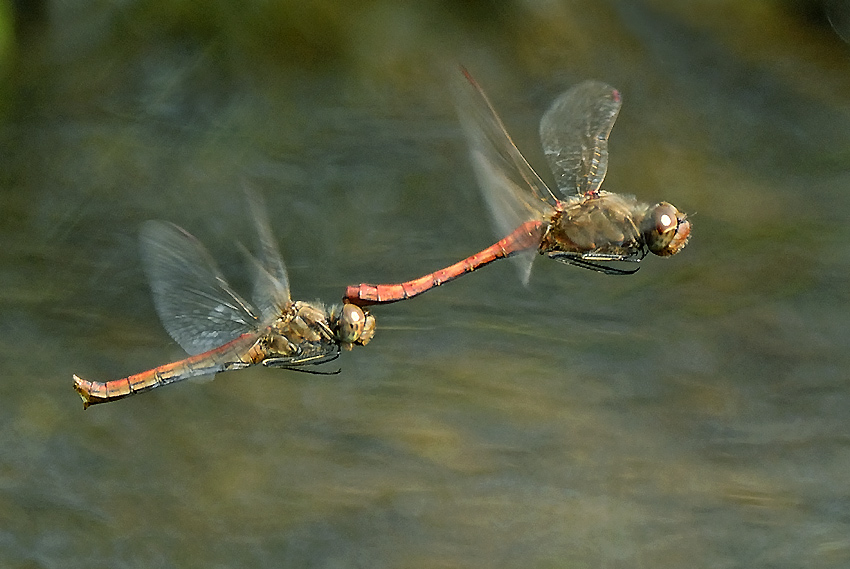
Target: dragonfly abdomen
x=526, y=236
x=241, y=352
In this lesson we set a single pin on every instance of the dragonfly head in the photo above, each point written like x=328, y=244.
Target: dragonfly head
x=665, y=229
x=355, y=326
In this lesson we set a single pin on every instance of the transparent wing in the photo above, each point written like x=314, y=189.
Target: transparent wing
x=574, y=132
x=195, y=304
x=271, y=283
x=513, y=191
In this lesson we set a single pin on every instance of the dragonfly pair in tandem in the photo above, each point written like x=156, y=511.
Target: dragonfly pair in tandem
x=589, y=228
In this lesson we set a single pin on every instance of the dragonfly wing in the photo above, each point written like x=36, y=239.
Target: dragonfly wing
x=513, y=191
x=574, y=132
x=271, y=283
x=194, y=302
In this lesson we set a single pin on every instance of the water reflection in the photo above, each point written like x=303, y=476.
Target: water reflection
x=691, y=414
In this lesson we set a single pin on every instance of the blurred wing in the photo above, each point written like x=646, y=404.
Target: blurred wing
x=195, y=304
x=513, y=191
x=271, y=283
x=574, y=132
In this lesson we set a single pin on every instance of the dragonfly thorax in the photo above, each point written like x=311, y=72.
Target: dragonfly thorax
x=601, y=224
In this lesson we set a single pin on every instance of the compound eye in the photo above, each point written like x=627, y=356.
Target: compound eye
x=668, y=230
x=660, y=227
x=665, y=218
x=351, y=323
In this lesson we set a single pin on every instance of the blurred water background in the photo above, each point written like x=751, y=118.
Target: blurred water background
x=692, y=415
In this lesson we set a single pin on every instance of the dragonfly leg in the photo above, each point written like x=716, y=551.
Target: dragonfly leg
x=294, y=362
x=593, y=263
x=313, y=371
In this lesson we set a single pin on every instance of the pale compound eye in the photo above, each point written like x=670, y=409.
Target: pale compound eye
x=666, y=230
x=351, y=323
x=665, y=218
x=368, y=330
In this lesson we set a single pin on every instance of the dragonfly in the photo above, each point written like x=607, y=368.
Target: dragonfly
x=221, y=330
x=582, y=225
